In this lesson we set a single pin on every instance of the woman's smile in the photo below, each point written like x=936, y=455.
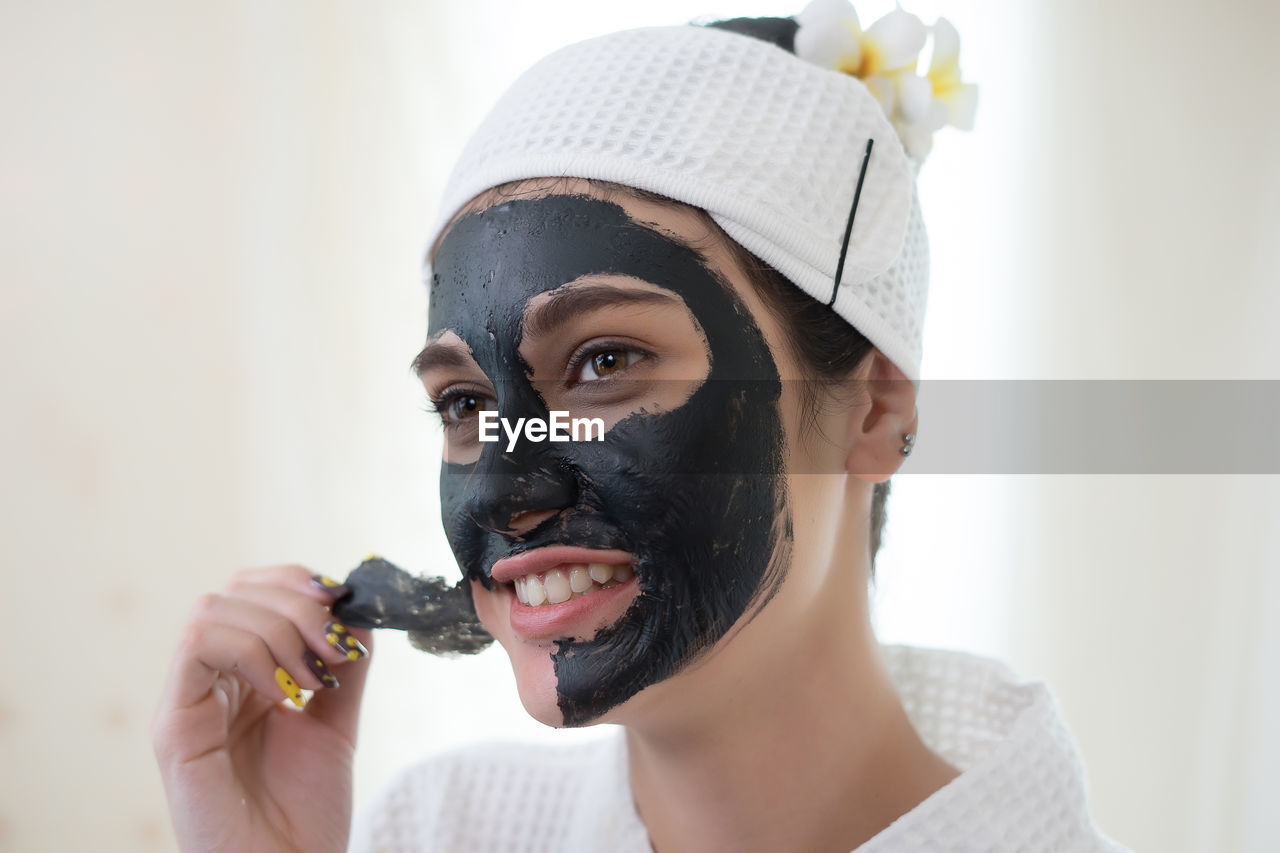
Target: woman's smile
x=572, y=581
x=564, y=591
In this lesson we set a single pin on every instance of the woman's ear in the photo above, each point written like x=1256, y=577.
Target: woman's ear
x=879, y=426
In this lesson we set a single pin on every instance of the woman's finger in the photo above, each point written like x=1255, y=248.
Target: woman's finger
x=278, y=626
x=212, y=650
x=328, y=637
x=340, y=709
x=321, y=588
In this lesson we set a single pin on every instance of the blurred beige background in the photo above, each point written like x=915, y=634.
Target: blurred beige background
x=210, y=226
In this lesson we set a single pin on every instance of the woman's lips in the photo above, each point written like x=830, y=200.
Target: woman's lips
x=547, y=557
x=565, y=591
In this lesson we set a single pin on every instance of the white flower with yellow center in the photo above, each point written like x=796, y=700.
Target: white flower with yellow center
x=953, y=98
x=885, y=57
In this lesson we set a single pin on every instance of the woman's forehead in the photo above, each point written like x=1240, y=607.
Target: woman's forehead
x=678, y=220
x=518, y=248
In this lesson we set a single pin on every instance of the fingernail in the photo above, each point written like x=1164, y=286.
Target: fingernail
x=318, y=668
x=289, y=686
x=337, y=635
x=328, y=584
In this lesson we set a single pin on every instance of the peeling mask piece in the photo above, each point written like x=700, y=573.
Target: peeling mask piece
x=440, y=618
x=696, y=494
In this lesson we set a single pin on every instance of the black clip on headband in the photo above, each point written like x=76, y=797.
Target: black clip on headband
x=848, y=228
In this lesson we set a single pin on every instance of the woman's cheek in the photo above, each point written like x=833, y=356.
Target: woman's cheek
x=488, y=604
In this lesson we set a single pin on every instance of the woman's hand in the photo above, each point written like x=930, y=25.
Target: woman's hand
x=243, y=768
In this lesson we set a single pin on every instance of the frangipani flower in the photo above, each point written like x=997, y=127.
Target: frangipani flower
x=830, y=35
x=884, y=57
x=956, y=99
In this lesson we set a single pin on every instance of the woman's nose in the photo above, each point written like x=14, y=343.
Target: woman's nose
x=514, y=504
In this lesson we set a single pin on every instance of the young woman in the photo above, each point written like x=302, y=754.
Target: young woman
x=709, y=243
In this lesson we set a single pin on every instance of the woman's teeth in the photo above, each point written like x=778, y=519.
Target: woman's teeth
x=571, y=581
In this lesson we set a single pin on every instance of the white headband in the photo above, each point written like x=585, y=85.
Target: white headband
x=771, y=146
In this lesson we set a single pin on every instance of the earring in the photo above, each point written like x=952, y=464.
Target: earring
x=909, y=440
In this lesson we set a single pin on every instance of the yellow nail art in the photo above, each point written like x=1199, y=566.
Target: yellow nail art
x=325, y=580
x=289, y=686
x=373, y=557
x=337, y=635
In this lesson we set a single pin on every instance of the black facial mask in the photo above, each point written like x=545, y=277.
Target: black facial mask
x=697, y=493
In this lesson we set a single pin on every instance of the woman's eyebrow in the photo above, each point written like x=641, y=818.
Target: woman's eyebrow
x=438, y=354
x=564, y=304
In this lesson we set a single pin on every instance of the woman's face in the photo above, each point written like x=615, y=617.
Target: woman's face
x=607, y=567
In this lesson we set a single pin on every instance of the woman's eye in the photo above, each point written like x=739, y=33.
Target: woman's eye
x=603, y=363
x=461, y=408
x=457, y=408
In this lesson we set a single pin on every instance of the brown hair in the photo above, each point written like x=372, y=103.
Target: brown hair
x=824, y=344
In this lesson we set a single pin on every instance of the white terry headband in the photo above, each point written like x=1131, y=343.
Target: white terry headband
x=771, y=146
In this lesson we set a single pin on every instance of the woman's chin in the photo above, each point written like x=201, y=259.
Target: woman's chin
x=536, y=683
x=542, y=709
x=535, y=675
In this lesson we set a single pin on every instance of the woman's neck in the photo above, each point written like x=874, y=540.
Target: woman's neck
x=799, y=743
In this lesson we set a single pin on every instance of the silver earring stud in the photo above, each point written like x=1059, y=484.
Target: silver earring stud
x=908, y=440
